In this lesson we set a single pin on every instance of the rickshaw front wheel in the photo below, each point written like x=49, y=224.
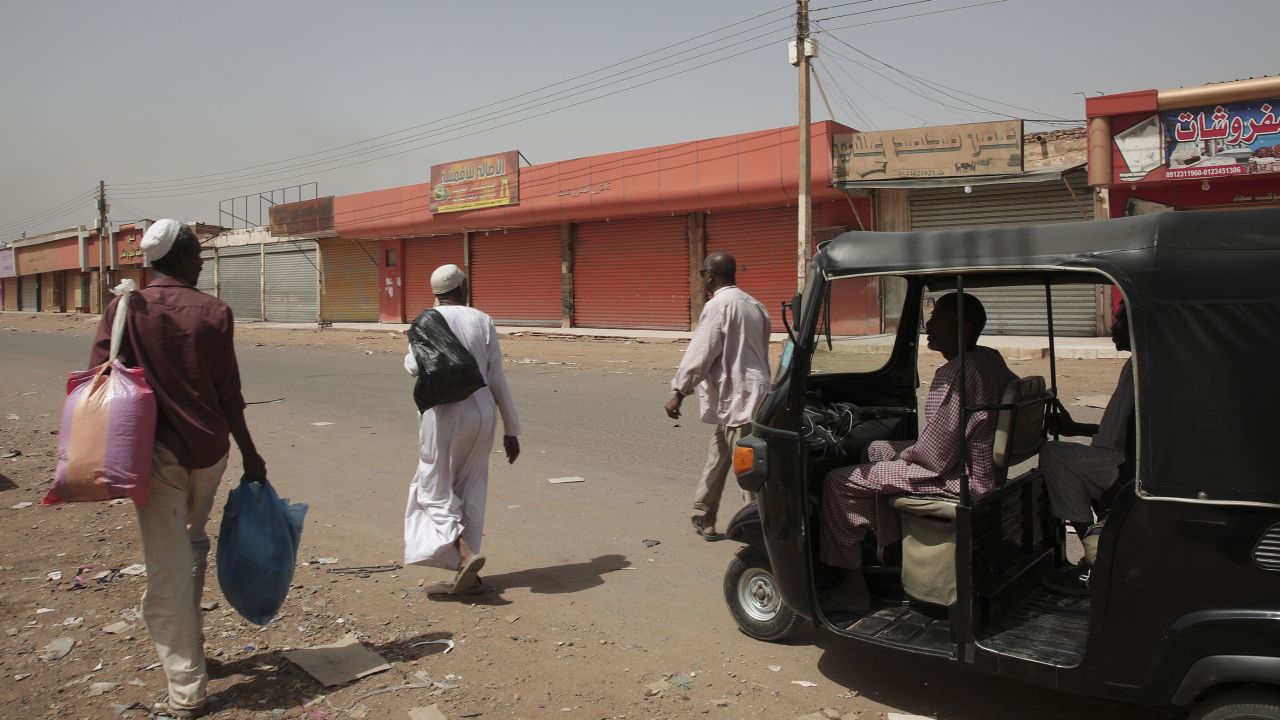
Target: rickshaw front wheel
x=1252, y=703
x=753, y=598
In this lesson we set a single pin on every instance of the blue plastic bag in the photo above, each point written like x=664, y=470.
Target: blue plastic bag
x=258, y=549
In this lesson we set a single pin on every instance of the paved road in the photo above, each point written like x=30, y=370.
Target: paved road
x=555, y=548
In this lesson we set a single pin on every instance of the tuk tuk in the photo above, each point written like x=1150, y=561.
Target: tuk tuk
x=1182, y=605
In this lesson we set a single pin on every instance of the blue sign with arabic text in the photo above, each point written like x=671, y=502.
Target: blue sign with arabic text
x=1222, y=140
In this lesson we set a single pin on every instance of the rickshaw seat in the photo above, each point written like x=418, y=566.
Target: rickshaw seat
x=928, y=523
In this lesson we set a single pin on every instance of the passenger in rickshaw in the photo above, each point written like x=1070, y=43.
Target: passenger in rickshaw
x=1078, y=476
x=857, y=498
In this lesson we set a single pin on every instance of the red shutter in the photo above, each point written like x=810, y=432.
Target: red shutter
x=421, y=258
x=632, y=274
x=764, y=244
x=515, y=275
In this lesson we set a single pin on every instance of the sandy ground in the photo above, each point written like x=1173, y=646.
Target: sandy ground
x=580, y=619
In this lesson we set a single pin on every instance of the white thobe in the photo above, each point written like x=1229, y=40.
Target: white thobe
x=728, y=358
x=447, y=495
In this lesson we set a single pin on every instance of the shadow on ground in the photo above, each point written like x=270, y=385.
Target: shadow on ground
x=6, y=483
x=550, y=580
x=939, y=689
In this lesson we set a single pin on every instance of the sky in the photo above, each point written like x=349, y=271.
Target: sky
x=178, y=106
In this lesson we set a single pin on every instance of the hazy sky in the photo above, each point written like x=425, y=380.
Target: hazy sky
x=173, y=103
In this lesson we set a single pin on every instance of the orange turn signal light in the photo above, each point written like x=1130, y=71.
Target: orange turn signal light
x=744, y=459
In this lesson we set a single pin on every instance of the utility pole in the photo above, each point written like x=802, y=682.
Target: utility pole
x=104, y=282
x=802, y=48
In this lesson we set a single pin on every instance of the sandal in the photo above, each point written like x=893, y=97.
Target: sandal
x=468, y=575
x=164, y=709
x=699, y=528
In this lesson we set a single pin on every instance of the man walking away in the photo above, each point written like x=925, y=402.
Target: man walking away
x=728, y=363
x=444, y=520
x=183, y=340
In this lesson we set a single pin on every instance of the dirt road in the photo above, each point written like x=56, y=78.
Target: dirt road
x=581, y=617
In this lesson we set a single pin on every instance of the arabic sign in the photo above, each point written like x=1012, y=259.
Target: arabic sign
x=993, y=148
x=1202, y=143
x=482, y=182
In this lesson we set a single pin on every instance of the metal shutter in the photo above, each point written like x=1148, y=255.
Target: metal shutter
x=1018, y=311
x=764, y=244
x=515, y=275
x=632, y=274
x=292, y=285
x=29, y=293
x=10, y=293
x=421, y=258
x=240, y=281
x=349, y=281
x=208, y=282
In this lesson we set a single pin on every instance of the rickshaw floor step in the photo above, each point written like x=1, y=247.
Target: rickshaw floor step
x=1045, y=627
x=907, y=627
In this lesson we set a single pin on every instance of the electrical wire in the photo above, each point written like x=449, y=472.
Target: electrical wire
x=492, y=104
x=58, y=210
x=856, y=112
x=222, y=186
x=924, y=14
x=855, y=81
x=872, y=10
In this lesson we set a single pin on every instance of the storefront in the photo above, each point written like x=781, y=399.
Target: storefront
x=1208, y=147
x=943, y=182
x=348, y=281
x=8, y=281
x=609, y=241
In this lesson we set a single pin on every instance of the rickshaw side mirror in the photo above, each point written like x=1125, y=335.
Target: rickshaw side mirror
x=790, y=319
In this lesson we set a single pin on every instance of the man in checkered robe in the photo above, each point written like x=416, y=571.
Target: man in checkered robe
x=857, y=498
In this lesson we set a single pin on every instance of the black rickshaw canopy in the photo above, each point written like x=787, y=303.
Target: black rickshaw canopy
x=1203, y=295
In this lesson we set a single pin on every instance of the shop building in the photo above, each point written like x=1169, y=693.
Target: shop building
x=8, y=280
x=608, y=241
x=1208, y=147
x=261, y=277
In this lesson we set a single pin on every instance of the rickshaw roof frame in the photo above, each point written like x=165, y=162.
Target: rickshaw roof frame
x=1201, y=292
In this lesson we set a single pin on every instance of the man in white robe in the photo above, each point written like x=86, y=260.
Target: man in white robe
x=444, y=519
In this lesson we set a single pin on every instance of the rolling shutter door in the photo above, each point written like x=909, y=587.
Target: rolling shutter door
x=133, y=273
x=421, y=258
x=1018, y=311
x=292, y=292
x=515, y=275
x=764, y=244
x=240, y=281
x=349, y=281
x=54, y=295
x=632, y=274
x=29, y=291
x=208, y=282
x=10, y=293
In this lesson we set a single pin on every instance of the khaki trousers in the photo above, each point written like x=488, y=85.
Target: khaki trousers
x=176, y=549
x=719, y=463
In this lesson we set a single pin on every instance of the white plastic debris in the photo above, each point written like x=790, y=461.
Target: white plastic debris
x=564, y=480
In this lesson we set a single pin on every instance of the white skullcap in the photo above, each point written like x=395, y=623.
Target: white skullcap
x=446, y=278
x=158, y=240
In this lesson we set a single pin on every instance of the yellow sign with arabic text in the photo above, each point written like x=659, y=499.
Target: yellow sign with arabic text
x=992, y=148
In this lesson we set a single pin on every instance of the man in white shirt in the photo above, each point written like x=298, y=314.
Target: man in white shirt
x=727, y=362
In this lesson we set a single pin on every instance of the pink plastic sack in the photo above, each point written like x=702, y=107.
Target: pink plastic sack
x=108, y=429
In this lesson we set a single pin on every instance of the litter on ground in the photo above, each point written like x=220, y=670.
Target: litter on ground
x=338, y=663
x=564, y=480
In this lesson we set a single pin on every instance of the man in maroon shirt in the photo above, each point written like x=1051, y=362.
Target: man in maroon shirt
x=182, y=338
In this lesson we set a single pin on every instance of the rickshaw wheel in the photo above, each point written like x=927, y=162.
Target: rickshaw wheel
x=1252, y=703
x=754, y=600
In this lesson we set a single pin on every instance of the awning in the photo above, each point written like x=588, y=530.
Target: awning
x=1039, y=175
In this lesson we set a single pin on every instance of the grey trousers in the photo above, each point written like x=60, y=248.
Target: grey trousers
x=719, y=464
x=1075, y=475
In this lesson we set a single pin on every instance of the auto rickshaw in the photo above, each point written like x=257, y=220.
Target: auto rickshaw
x=1182, y=605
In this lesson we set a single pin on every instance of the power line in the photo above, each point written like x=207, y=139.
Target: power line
x=939, y=87
x=222, y=185
x=495, y=103
x=848, y=101
x=872, y=10
x=849, y=75
x=56, y=211
x=924, y=14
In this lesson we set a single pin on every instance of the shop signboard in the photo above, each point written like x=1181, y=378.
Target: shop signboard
x=477, y=183
x=975, y=149
x=7, y=268
x=1202, y=143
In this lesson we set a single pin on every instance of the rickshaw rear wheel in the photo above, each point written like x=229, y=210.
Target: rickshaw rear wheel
x=752, y=594
x=1252, y=703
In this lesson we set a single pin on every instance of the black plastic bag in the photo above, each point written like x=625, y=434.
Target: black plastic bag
x=447, y=372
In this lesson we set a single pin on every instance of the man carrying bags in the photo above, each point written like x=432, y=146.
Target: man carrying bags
x=183, y=340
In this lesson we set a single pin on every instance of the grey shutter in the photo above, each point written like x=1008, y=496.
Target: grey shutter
x=292, y=284
x=27, y=291
x=1019, y=311
x=239, y=280
x=209, y=274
